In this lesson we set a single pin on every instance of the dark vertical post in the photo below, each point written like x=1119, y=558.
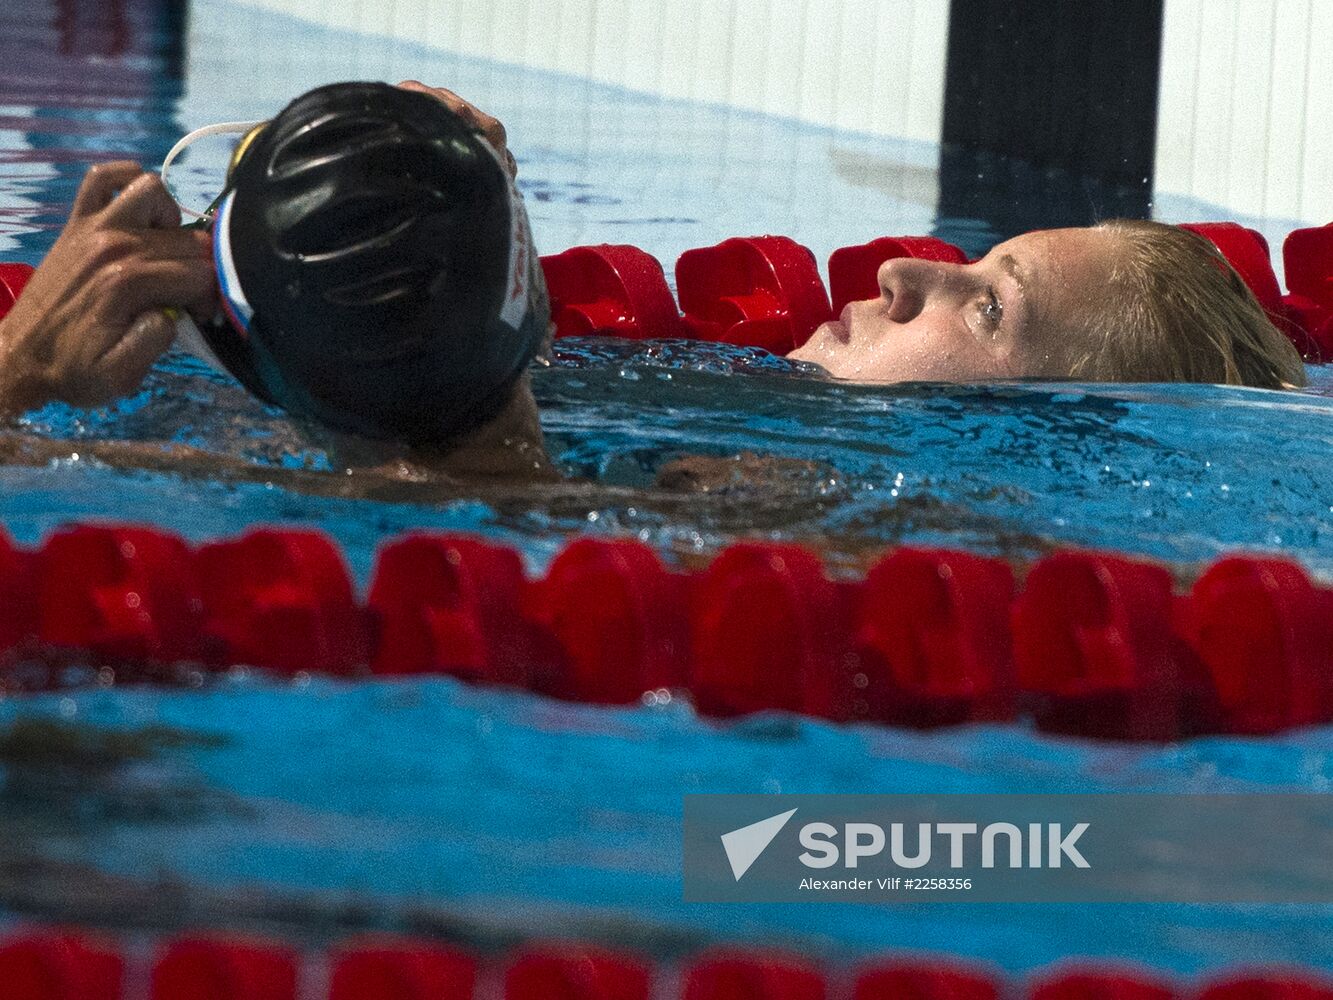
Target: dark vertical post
x=1054, y=104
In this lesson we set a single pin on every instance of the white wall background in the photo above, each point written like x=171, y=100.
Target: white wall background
x=598, y=163
x=1245, y=113
x=874, y=66
x=1246, y=107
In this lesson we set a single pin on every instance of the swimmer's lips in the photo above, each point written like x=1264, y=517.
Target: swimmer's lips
x=841, y=328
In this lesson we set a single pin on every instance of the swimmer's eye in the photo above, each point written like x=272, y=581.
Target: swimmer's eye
x=992, y=309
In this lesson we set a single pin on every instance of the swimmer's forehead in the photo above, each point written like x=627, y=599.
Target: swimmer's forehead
x=1059, y=273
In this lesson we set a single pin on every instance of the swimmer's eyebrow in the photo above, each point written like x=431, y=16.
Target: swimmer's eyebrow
x=1031, y=308
x=1015, y=270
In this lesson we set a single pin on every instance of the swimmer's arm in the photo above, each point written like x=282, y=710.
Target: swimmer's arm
x=505, y=452
x=89, y=324
x=390, y=483
x=748, y=473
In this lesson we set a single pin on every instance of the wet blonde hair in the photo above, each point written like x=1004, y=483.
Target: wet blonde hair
x=1178, y=312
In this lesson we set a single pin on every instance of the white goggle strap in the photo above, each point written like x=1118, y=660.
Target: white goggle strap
x=221, y=128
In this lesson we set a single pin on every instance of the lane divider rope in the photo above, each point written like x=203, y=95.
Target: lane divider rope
x=766, y=291
x=1082, y=642
x=70, y=964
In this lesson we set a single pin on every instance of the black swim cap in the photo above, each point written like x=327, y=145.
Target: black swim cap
x=376, y=263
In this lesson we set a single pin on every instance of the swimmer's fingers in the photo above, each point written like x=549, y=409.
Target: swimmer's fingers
x=489, y=126
x=120, y=371
x=460, y=106
x=177, y=244
x=100, y=185
x=144, y=204
x=157, y=284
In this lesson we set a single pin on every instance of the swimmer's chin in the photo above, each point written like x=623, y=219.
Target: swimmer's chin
x=822, y=346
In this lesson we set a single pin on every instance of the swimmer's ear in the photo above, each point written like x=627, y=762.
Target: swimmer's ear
x=544, y=348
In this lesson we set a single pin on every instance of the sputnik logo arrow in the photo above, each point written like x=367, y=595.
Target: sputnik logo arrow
x=744, y=846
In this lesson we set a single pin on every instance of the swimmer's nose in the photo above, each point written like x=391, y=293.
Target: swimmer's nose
x=907, y=284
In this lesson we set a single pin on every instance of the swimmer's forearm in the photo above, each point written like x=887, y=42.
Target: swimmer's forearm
x=177, y=459
x=749, y=473
x=21, y=386
x=393, y=482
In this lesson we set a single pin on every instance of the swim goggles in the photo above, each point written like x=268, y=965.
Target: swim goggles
x=216, y=219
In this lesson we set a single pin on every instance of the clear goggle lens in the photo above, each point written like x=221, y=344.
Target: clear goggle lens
x=248, y=131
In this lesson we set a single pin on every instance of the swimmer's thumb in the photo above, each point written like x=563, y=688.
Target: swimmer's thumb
x=152, y=332
x=123, y=367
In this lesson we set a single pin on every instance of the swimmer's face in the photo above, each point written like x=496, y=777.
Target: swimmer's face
x=1020, y=311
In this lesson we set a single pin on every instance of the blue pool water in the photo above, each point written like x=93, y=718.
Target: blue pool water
x=495, y=813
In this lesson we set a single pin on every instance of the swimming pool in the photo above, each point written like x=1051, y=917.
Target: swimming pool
x=495, y=810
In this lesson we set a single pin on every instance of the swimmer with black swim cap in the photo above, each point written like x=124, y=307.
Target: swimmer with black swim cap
x=376, y=268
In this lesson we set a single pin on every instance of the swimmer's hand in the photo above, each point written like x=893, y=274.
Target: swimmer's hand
x=90, y=322
x=488, y=126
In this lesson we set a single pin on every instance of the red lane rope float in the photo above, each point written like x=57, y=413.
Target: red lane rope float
x=18, y=595
x=60, y=964
x=1090, y=643
x=766, y=291
x=922, y=980
x=122, y=594
x=619, y=290
x=1247, y=251
x=225, y=969
x=445, y=604
x=614, y=622
x=1249, y=611
x=770, y=632
x=760, y=291
x=576, y=972
x=853, y=272
x=13, y=279
x=1292, y=985
x=1301, y=318
x=1307, y=262
x=401, y=969
x=282, y=600
x=734, y=974
x=933, y=639
x=1102, y=984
